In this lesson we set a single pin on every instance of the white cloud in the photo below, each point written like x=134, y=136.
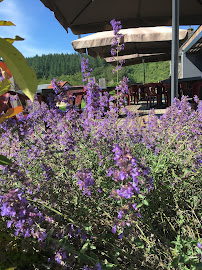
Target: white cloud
x=26, y=23
x=11, y=11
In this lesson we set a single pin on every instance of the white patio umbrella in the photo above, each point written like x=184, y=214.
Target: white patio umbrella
x=142, y=40
x=134, y=59
x=90, y=16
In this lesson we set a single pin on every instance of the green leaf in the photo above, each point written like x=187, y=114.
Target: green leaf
x=93, y=255
x=88, y=228
x=4, y=160
x=92, y=247
x=83, y=257
x=139, y=243
x=186, y=171
x=11, y=40
x=184, y=259
x=141, y=196
x=6, y=23
x=4, y=86
x=139, y=205
x=145, y=202
x=23, y=74
x=85, y=247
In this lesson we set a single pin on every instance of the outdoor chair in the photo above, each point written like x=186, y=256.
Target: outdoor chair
x=197, y=89
x=151, y=93
x=41, y=98
x=167, y=94
x=78, y=101
x=185, y=89
x=142, y=91
x=133, y=94
x=75, y=99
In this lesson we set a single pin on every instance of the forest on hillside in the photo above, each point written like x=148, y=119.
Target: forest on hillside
x=66, y=67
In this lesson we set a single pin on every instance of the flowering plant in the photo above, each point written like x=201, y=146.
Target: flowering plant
x=90, y=192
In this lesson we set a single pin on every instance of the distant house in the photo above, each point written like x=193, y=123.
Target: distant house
x=41, y=87
x=62, y=84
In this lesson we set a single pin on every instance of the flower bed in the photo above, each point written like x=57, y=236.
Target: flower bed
x=83, y=192
x=86, y=192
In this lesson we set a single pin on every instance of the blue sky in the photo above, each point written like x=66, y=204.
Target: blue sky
x=43, y=34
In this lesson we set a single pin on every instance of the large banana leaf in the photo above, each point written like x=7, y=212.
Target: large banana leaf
x=23, y=74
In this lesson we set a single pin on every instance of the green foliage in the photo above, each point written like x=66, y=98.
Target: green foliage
x=4, y=160
x=15, y=254
x=154, y=72
x=17, y=65
x=55, y=65
x=185, y=254
x=66, y=67
x=23, y=74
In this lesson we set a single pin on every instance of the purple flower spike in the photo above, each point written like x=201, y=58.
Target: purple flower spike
x=116, y=45
x=199, y=245
x=22, y=215
x=114, y=229
x=120, y=214
x=122, y=175
x=98, y=266
x=9, y=223
x=135, y=206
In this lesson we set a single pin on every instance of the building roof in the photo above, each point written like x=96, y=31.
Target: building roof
x=194, y=43
x=62, y=84
x=41, y=86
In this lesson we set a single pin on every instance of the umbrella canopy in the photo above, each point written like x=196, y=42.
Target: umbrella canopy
x=141, y=40
x=90, y=16
x=86, y=16
x=134, y=59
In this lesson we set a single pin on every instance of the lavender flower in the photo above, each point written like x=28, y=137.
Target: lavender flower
x=60, y=256
x=85, y=181
x=22, y=215
x=85, y=69
x=117, y=44
x=97, y=267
